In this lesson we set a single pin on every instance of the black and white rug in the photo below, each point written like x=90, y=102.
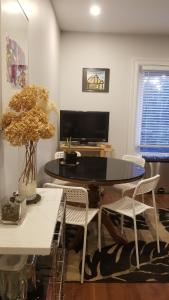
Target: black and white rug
x=116, y=262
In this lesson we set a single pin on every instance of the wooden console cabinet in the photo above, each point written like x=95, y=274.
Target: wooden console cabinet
x=103, y=150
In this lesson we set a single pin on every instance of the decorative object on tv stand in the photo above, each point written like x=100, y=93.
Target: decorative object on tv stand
x=24, y=124
x=95, y=80
x=70, y=156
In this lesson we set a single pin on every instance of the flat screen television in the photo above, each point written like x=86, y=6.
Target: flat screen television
x=84, y=126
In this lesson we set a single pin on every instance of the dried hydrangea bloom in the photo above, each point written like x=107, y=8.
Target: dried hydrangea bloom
x=27, y=125
x=32, y=126
x=47, y=131
x=38, y=113
x=20, y=133
x=30, y=123
x=6, y=119
x=28, y=98
x=14, y=134
x=22, y=101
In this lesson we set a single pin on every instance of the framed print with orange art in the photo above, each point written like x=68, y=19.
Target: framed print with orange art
x=95, y=80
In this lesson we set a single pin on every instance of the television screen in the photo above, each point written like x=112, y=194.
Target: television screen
x=84, y=126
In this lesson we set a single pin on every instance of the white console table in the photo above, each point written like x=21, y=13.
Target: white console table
x=34, y=235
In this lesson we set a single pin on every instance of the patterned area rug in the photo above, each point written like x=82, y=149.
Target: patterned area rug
x=116, y=262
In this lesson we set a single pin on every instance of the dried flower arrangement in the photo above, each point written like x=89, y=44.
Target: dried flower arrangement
x=26, y=122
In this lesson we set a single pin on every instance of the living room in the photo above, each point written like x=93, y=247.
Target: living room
x=70, y=52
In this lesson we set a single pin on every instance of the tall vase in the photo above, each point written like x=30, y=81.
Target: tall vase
x=27, y=181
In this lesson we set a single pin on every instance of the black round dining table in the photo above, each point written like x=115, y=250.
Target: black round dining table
x=95, y=172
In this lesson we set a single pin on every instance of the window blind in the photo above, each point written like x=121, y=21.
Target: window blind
x=153, y=110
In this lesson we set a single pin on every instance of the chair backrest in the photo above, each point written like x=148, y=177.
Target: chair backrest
x=146, y=185
x=60, y=154
x=137, y=159
x=73, y=193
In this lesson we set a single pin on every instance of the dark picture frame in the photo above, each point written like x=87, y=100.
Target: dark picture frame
x=95, y=80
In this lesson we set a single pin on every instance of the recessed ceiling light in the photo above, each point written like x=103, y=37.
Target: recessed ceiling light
x=95, y=10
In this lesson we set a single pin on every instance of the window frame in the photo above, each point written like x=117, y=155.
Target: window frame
x=137, y=64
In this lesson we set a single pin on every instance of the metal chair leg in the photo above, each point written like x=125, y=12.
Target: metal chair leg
x=84, y=254
x=99, y=229
x=136, y=243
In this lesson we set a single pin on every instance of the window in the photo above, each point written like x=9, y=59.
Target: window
x=153, y=110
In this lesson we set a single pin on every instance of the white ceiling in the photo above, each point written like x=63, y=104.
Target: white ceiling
x=117, y=16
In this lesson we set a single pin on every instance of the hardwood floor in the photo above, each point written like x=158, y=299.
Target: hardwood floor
x=121, y=291
x=116, y=291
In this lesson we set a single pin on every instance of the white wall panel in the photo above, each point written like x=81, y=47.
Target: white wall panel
x=2, y=171
x=14, y=26
x=116, y=52
x=43, y=46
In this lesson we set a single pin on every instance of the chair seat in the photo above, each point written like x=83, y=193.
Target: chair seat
x=76, y=215
x=125, y=186
x=124, y=206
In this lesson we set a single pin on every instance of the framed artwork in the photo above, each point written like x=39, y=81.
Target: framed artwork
x=15, y=41
x=16, y=62
x=95, y=80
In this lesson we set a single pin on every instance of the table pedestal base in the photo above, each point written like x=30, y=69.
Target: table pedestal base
x=94, y=196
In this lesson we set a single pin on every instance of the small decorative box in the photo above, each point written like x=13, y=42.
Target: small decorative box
x=13, y=210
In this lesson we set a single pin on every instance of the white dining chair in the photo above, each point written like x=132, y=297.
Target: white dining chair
x=76, y=215
x=60, y=155
x=129, y=186
x=129, y=206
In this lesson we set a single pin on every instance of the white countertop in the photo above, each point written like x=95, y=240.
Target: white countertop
x=34, y=235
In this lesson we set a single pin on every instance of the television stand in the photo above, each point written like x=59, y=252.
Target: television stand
x=83, y=143
x=103, y=150
x=93, y=144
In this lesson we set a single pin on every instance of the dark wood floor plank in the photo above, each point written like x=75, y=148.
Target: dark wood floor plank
x=117, y=291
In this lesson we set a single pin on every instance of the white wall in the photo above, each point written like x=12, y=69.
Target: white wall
x=15, y=26
x=116, y=52
x=1, y=143
x=44, y=43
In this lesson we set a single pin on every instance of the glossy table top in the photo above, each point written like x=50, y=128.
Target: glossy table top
x=95, y=171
